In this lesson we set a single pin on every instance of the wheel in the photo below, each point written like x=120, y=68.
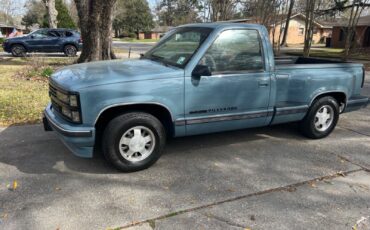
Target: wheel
x=321, y=118
x=133, y=141
x=70, y=50
x=18, y=50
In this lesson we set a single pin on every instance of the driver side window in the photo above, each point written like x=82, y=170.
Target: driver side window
x=234, y=51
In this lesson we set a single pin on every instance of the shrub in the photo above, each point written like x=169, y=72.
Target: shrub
x=47, y=71
x=132, y=35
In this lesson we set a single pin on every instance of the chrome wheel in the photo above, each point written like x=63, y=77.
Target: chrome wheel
x=70, y=51
x=137, y=143
x=324, y=118
x=18, y=51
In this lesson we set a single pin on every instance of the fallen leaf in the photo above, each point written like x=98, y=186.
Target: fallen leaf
x=291, y=189
x=13, y=186
x=313, y=185
x=253, y=218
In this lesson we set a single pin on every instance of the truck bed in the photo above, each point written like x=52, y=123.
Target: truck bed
x=293, y=61
x=300, y=79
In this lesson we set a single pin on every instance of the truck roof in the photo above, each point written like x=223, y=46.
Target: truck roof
x=215, y=25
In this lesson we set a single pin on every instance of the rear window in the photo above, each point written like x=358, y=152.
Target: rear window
x=68, y=34
x=53, y=33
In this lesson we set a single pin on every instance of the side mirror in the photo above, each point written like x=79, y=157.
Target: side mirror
x=201, y=70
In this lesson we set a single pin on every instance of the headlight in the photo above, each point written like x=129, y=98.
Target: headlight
x=63, y=97
x=73, y=115
x=66, y=103
x=76, y=116
x=71, y=99
x=66, y=112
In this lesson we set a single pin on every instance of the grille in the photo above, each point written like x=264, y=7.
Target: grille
x=57, y=104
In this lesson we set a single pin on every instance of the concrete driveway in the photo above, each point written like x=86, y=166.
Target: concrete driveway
x=266, y=178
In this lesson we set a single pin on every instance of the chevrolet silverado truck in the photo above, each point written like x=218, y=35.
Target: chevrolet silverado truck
x=198, y=79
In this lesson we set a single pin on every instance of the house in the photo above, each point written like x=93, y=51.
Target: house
x=322, y=30
x=156, y=33
x=296, y=30
x=8, y=29
x=361, y=37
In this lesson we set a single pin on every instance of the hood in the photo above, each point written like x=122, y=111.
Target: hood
x=109, y=72
x=16, y=38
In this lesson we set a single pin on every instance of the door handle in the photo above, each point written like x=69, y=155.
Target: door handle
x=263, y=83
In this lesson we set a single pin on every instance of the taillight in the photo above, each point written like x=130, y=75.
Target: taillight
x=363, y=77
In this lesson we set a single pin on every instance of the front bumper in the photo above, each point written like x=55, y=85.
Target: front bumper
x=6, y=47
x=79, y=47
x=357, y=103
x=78, y=138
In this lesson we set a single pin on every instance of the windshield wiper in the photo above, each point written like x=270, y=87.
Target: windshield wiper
x=158, y=58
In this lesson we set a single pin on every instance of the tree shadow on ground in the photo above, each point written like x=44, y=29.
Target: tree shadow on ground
x=32, y=150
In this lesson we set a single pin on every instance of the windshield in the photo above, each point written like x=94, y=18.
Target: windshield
x=179, y=46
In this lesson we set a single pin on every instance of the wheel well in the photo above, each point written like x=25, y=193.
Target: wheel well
x=160, y=112
x=19, y=44
x=340, y=97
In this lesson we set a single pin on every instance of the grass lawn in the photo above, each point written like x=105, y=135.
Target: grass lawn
x=24, y=91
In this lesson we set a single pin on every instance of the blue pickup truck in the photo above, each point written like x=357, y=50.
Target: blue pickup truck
x=200, y=78
x=45, y=40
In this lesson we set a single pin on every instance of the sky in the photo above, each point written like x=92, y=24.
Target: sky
x=21, y=3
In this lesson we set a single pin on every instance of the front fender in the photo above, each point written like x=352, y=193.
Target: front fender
x=167, y=93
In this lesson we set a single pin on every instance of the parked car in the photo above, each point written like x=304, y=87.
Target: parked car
x=45, y=40
x=199, y=79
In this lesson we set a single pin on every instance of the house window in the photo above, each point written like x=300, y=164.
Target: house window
x=301, y=31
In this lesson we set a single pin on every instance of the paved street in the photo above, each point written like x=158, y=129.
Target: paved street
x=265, y=178
x=136, y=47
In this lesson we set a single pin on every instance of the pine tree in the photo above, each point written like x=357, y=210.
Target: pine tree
x=63, y=17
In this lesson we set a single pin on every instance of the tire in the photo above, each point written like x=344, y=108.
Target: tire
x=321, y=118
x=18, y=50
x=70, y=50
x=121, y=139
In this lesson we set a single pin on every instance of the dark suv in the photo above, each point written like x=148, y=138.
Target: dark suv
x=45, y=40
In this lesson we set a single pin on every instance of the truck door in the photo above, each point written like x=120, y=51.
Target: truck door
x=236, y=94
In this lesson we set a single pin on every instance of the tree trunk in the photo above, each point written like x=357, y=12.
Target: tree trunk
x=310, y=13
x=285, y=34
x=350, y=40
x=52, y=13
x=95, y=18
